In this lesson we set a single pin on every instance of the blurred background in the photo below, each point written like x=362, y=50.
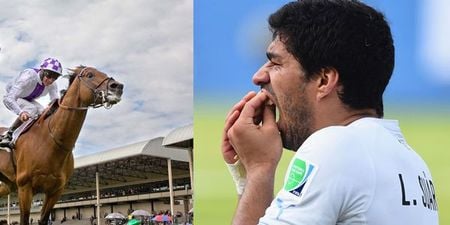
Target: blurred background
x=230, y=42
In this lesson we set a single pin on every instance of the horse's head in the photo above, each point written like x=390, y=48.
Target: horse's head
x=95, y=88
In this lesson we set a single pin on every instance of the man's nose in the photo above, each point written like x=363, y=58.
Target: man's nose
x=261, y=76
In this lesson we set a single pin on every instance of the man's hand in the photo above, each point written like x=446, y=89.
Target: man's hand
x=24, y=116
x=228, y=152
x=258, y=145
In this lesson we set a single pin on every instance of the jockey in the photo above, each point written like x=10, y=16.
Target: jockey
x=31, y=84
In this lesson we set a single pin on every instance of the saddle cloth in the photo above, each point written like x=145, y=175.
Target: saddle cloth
x=25, y=126
x=22, y=128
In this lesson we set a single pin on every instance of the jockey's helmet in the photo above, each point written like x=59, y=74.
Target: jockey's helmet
x=53, y=65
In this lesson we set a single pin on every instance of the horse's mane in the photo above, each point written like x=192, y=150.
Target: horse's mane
x=72, y=73
x=71, y=76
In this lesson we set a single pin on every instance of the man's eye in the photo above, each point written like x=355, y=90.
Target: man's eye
x=275, y=65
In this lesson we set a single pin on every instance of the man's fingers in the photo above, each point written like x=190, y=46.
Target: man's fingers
x=251, y=109
x=269, y=116
x=235, y=107
x=227, y=150
x=238, y=106
x=24, y=116
x=231, y=120
x=249, y=96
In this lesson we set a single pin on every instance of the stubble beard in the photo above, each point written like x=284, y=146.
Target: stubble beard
x=297, y=124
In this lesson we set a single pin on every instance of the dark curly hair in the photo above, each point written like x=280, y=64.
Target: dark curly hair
x=346, y=35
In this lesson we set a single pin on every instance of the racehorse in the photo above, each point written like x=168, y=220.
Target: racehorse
x=43, y=159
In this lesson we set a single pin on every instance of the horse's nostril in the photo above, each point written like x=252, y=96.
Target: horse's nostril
x=115, y=85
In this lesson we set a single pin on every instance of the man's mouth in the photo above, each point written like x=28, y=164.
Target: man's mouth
x=272, y=103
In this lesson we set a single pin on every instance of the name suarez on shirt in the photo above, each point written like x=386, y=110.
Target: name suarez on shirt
x=428, y=198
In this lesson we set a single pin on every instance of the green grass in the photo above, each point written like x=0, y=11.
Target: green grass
x=215, y=198
x=429, y=135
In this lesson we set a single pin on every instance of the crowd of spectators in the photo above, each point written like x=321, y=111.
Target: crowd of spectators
x=179, y=184
x=154, y=187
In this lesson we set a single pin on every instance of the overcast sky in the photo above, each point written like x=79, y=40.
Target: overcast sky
x=145, y=44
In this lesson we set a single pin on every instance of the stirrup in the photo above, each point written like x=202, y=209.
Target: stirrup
x=6, y=147
x=6, y=144
x=6, y=140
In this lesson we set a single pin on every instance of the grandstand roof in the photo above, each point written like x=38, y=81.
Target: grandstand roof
x=181, y=137
x=146, y=160
x=153, y=148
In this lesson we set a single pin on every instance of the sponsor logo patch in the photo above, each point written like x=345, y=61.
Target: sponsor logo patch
x=300, y=172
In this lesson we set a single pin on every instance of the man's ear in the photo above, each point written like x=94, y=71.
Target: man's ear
x=327, y=82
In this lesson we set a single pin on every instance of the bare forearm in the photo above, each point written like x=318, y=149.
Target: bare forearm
x=256, y=198
x=259, y=148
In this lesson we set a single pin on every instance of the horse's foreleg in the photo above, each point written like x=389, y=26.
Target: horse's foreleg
x=25, y=198
x=49, y=202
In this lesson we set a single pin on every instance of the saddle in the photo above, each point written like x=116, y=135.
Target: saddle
x=53, y=106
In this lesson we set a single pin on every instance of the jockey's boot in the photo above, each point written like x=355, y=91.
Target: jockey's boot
x=7, y=137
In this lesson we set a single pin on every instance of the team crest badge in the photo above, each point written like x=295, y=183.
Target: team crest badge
x=300, y=172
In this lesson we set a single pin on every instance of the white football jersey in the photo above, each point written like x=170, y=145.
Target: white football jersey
x=363, y=173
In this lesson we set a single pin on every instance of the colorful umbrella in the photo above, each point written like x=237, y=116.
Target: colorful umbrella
x=115, y=216
x=140, y=212
x=134, y=222
x=158, y=218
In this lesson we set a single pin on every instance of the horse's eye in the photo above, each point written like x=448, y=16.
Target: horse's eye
x=90, y=75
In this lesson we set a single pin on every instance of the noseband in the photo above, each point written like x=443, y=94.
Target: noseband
x=98, y=94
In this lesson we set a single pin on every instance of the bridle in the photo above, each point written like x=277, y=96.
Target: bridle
x=102, y=94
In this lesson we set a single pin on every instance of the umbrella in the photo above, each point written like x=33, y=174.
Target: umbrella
x=115, y=216
x=158, y=218
x=140, y=212
x=134, y=222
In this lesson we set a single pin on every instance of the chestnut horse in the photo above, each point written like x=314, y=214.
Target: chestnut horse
x=43, y=154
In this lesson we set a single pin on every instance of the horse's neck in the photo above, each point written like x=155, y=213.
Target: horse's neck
x=67, y=123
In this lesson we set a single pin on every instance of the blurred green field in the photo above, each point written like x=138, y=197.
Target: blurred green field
x=215, y=199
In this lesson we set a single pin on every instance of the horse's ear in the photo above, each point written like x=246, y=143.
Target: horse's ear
x=71, y=71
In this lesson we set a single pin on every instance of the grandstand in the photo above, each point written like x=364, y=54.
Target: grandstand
x=154, y=175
